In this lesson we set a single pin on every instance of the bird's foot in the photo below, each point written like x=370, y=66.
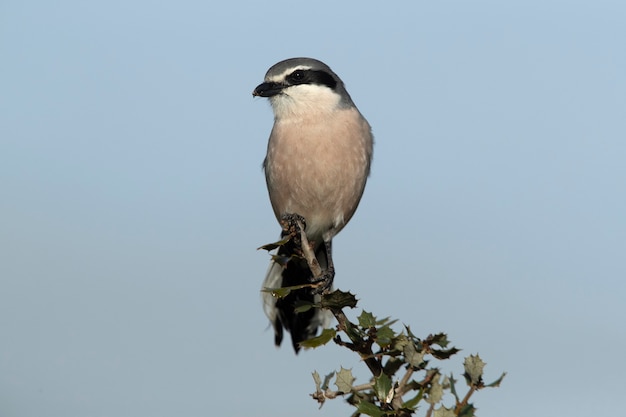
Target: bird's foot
x=293, y=225
x=291, y=222
x=323, y=283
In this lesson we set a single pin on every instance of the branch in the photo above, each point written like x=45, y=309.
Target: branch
x=363, y=347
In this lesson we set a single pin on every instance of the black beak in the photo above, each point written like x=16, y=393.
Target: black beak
x=268, y=89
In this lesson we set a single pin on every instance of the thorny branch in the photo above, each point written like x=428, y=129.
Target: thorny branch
x=381, y=397
x=363, y=347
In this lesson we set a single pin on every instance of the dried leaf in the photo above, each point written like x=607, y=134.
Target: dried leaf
x=318, y=381
x=435, y=393
x=327, y=380
x=473, y=369
x=444, y=412
x=412, y=356
x=344, y=380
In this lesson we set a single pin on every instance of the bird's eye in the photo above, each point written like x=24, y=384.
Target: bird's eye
x=297, y=77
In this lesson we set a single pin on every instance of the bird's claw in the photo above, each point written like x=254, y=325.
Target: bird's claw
x=324, y=282
x=289, y=222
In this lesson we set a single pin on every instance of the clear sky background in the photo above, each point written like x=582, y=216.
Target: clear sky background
x=132, y=200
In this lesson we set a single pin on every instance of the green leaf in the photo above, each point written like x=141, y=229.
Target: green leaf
x=326, y=336
x=400, y=342
x=353, y=331
x=338, y=299
x=382, y=388
x=278, y=292
x=473, y=369
x=369, y=409
x=301, y=306
x=412, y=356
x=412, y=403
x=440, y=339
x=384, y=336
x=366, y=320
x=467, y=411
x=453, y=387
x=410, y=333
x=392, y=365
x=344, y=380
x=386, y=320
x=497, y=382
x=444, y=353
x=282, y=292
x=271, y=246
x=444, y=412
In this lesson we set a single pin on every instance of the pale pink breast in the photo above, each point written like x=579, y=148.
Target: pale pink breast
x=318, y=170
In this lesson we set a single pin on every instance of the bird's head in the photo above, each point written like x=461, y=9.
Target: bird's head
x=303, y=86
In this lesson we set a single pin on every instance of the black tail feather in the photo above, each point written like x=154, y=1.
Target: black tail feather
x=296, y=272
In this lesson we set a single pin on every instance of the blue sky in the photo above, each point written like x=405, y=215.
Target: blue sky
x=133, y=200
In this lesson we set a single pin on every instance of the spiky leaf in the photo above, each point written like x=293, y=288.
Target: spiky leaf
x=444, y=412
x=440, y=339
x=338, y=299
x=400, y=342
x=384, y=336
x=382, y=388
x=435, y=393
x=444, y=353
x=473, y=369
x=412, y=355
x=366, y=320
x=344, y=380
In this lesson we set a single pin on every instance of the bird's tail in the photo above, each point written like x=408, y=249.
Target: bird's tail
x=281, y=312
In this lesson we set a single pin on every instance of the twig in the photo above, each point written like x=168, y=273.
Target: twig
x=401, y=390
x=361, y=346
x=430, y=410
x=307, y=251
x=465, y=399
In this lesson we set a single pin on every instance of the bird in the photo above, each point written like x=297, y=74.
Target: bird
x=318, y=160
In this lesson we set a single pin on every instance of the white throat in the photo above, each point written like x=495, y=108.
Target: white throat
x=304, y=100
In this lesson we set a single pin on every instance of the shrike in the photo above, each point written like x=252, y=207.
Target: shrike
x=318, y=159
